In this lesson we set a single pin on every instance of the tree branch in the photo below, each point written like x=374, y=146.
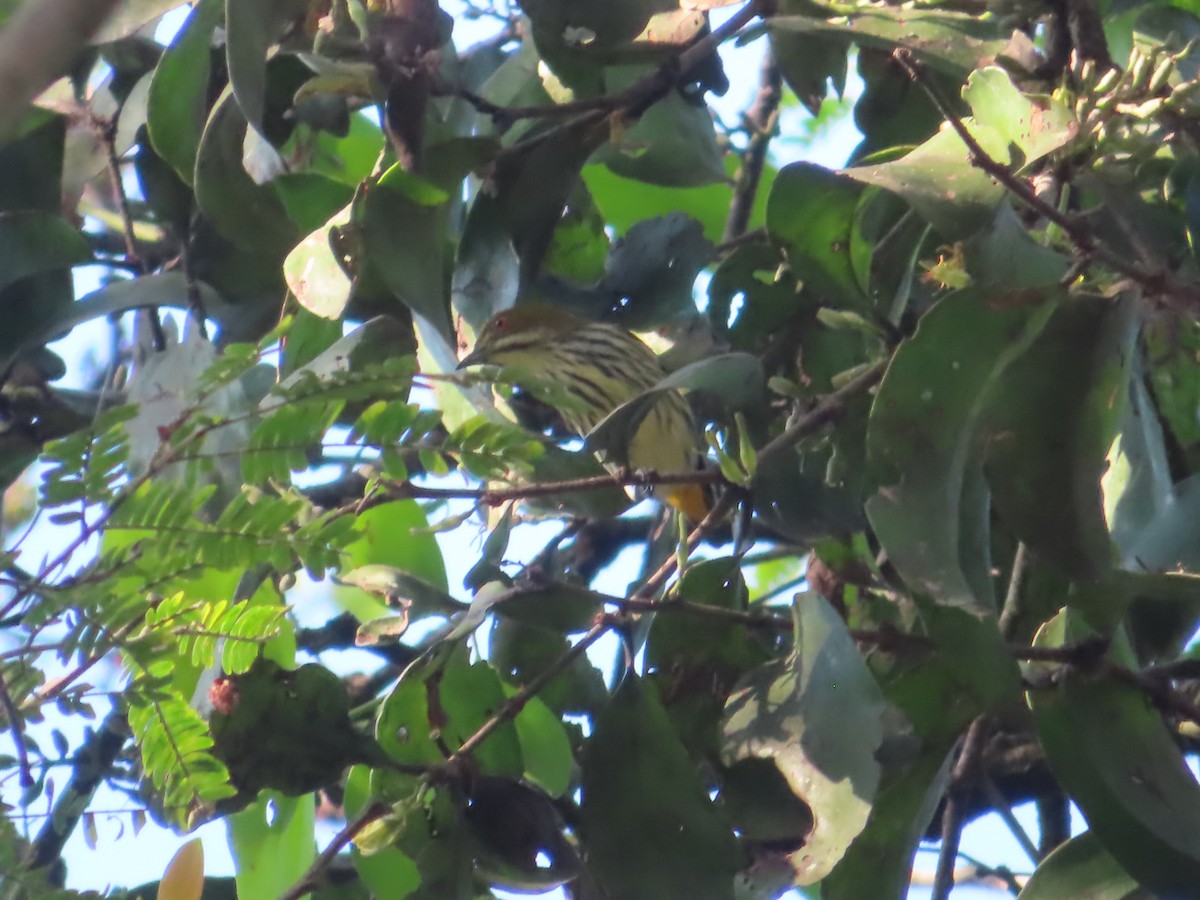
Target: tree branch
x=761, y=120
x=37, y=45
x=91, y=765
x=642, y=94
x=18, y=733
x=312, y=879
x=1156, y=283
x=962, y=784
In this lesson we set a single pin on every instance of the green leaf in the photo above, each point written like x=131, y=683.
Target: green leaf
x=251, y=29
x=545, y=746
x=951, y=42
x=626, y=201
x=672, y=144
x=931, y=513
x=817, y=716
x=1044, y=460
x=178, y=103
x=811, y=214
x=314, y=271
x=1115, y=757
x=272, y=843
x=647, y=823
x=397, y=587
x=561, y=608
x=402, y=236
x=938, y=178
x=1082, y=868
x=392, y=535
x=455, y=698
x=33, y=242
x=650, y=272
x=248, y=214
x=1033, y=126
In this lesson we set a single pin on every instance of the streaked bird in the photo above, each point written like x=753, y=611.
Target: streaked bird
x=601, y=366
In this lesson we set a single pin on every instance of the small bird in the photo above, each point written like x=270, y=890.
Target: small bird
x=602, y=366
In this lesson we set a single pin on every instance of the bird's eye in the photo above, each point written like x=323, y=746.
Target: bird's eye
x=500, y=323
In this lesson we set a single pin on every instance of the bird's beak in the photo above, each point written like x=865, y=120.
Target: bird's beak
x=473, y=358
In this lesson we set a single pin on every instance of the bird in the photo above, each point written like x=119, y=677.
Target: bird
x=601, y=366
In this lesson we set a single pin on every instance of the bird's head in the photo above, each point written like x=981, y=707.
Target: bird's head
x=510, y=335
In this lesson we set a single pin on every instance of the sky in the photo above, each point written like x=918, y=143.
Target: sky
x=125, y=860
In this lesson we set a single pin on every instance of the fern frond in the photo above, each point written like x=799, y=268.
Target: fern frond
x=176, y=746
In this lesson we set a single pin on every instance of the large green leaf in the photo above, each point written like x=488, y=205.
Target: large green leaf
x=1082, y=868
x=1115, y=757
x=178, y=102
x=404, y=221
x=647, y=823
x=672, y=144
x=1044, y=460
x=272, y=842
x=248, y=214
x=932, y=510
x=626, y=201
x=314, y=271
x=392, y=535
x=818, y=716
x=436, y=705
x=879, y=862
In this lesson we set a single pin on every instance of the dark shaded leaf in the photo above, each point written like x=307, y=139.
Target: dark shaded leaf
x=938, y=178
x=1044, y=461
x=251, y=29
x=931, y=513
x=561, y=608
x=648, y=825
x=817, y=716
x=33, y=242
x=1116, y=759
x=1082, y=868
x=248, y=214
x=178, y=103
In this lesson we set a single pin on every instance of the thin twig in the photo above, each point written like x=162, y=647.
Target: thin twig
x=313, y=878
x=761, y=121
x=825, y=411
x=1016, y=582
x=726, y=247
x=91, y=765
x=513, y=706
x=969, y=766
x=1000, y=805
x=18, y=734
x=962, y=782
x=644, y=93
x=406, y=490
